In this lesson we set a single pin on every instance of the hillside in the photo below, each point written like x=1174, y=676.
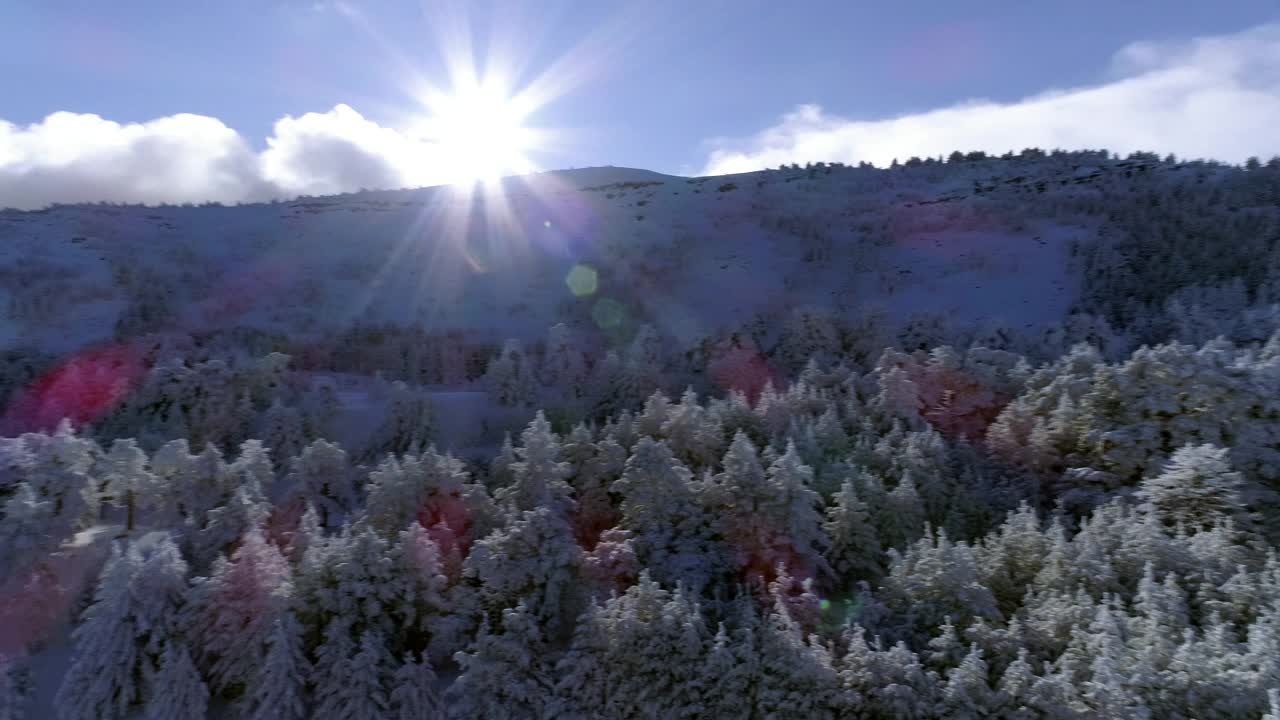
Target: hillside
x=693, y=256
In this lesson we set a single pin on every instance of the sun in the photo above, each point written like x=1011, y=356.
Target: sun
x=479, y=129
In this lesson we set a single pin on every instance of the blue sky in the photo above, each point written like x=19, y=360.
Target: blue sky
x=661, y=85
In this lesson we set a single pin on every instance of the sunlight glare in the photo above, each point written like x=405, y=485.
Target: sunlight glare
x=480, y=127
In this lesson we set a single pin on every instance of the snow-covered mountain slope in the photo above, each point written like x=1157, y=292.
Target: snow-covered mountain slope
x=982, y=242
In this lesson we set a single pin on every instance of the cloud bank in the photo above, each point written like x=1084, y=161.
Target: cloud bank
x=1212, y=97
x=70, y=157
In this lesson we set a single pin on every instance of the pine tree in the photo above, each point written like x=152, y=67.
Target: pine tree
x=26, y=535
x=1198, y=489
x=178, y=692
x=413, y=691
x=967, y=693
x=367, y=680
x=663, y=512
x=247, y=509
x=538, y=478
x=277, y=690
x=128, y=482
x=731, y=674
x=329, y=676
x=510, y=377
x=535, y=560
x=324, y=477
x=795, y=513
x=639, y=654
x=281, y=429
x=694, y=434
x=507, y=674
x=563, y=364
x=233, y=610
x=103, y=681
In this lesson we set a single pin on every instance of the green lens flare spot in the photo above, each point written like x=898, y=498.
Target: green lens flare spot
x=582, y=280
x=608, y=313
x=824, y=605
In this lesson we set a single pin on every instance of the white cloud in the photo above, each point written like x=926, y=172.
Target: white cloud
x=70, y=157
x=1212, y=97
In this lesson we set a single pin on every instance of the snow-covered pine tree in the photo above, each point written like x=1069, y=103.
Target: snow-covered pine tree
x=277, y=691
x=534, y=560
x=281, y=429
x=538, y=478
x=128, y=482
x=232, y=611
x=854, y=553
x=1198, y=488
x=178, y=693
x=510, y=376
x=413, y=691
x=669, y=526
x=124, y=631
x=506, y=675
x=325, y=478
x=26, y=535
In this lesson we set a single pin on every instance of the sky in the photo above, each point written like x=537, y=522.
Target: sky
x=237, y=100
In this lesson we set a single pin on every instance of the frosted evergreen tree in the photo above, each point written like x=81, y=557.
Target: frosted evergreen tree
x=232, y=611
x=26, y=535
x=937, y=578
x=795, y=513
x=505, y=675
x=538, y=478
x=899, y=397
x=694, y=434
x=60, y=474
x=1013, y=692
x=277, y=690
x=644, y=360
x=854, y=553
x=178, y=693
x=500, y=468
x=610, y=566
x=903, y=519
x=172, y=466
x=797, y=675
x=662, y=510
x=281, y=429
x=731, y=674
x=432, y=489
x=405, y=426
x=1198, y=488
x=510, y=377
x=656, y=410
x=564, y=367
x=324, y=477
x=420, y=573
x=247, y=508
x=640, y=654
x=967, y=693
x=128, y=481
x=328, y=678
x=413, y=691
x=591, y=487
x=104, y=677
x=367, y=678
x=534, y=559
